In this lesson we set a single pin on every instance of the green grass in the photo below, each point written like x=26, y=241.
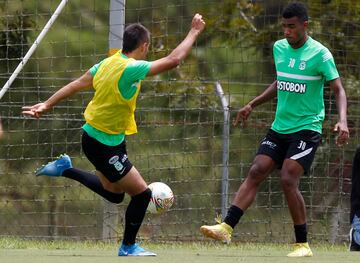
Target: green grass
x=34, y=251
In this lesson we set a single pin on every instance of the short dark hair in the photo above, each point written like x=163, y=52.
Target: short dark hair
x=134, y=36
x=297, y=9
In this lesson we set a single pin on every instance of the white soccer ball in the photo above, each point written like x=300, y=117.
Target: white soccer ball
x=162, y=198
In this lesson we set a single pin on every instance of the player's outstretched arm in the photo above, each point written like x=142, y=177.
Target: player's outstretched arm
x=85, y=81
x=341, y=104
x=181, y=51
x=245, y=111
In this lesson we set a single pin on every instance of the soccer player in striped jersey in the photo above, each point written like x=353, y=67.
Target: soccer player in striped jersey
x=303, y=65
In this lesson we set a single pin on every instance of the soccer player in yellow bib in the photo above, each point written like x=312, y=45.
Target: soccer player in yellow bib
x=302, y=67
x=109, y=118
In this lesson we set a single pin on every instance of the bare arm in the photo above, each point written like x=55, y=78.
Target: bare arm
x=245, y=111
x=267, y=95
x=341, y=104
x=85, y=81
x=181, y=51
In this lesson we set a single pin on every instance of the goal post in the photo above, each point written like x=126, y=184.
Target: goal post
x=116, y=25
x=116, y=31
x=186, y=138
x=33, y=47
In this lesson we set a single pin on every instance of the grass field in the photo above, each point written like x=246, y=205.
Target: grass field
x=25, y=251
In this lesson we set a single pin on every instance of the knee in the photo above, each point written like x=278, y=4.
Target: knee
x=257, y=173
x=112, y=194
x=288, y=181
x=108, y=186
x=117, y=198
x=146, y=195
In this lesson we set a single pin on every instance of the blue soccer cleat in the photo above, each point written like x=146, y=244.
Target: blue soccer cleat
x=55, y=168
x=134, y=251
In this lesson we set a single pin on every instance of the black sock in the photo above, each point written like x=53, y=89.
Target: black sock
x=134, y=216
x=93, y=182
x=233, y=216
x=301, y=233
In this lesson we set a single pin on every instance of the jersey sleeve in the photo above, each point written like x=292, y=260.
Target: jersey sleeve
x=95, y=68
x=275, y=50
x=137, y=70
x=327, y=66
x=132, y=75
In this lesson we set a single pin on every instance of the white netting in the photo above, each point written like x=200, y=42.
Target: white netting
x=179, y=115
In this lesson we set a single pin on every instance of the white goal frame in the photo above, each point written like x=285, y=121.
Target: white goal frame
x=33, y=47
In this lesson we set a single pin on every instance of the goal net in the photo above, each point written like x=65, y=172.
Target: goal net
x=179, y=114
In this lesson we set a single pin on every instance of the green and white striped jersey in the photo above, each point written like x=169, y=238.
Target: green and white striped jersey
x=301, y=74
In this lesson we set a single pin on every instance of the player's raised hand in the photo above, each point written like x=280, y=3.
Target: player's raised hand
x=343, y=133
x=198, y=23
x=36, y=110
x=242, y=115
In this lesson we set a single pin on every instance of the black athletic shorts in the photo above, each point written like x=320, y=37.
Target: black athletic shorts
x=299, y=146
x=111, y=161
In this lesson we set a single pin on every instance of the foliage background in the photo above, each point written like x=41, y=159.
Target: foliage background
x=179, y=116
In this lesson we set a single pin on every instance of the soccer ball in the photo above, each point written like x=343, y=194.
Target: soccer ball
x=162, y=198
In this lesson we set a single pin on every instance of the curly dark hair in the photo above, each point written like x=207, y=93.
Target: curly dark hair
x=297, y=9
